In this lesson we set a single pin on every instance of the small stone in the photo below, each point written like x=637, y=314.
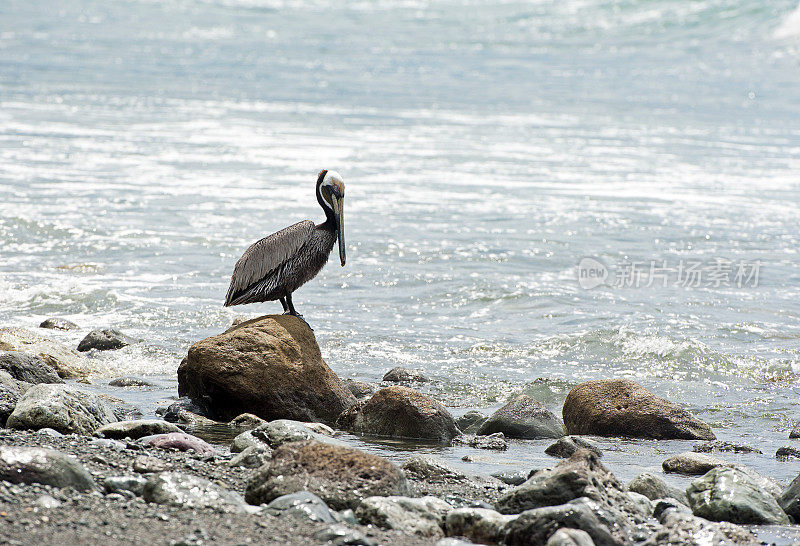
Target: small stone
x=470, y=422
x=341, y=535
x=136, y=428
x=49, y=432
x=405, y=375
x=420, y=516
x=180, y=441
x=653, y=488
x=692, y=464
x=188, y=491
x=145, y=464
x=728, y=494
x=304, y=505
x=251, y=457
x=570, y=537
x=481, y=525
x=118, y=484
x=496, y=441
x=511, y=478
x=46, y=466
x=106, y=443
x=246, y=440
x=360, y=389
x=106, y=339
x=130, y=382
x=566, y=446
x=432, y=470
x=786, y=453
x=46, y=501
x=58, y=324
x=523, y=417
x=246, y=421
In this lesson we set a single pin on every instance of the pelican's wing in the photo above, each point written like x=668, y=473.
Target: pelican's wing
x=266, y=255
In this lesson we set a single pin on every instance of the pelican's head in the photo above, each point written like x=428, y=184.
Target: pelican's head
x=330, y=192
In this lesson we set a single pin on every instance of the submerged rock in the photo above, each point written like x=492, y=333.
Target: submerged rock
x=66, y=362
x=404, y=375
x=401, y=412
x=653, y=488
x=62, y=408
x=58, y=324
x=470, y=422
x=523, y=417
x=106, y=339
x=28, y=367
x=691, y=463
x=725, y=447
x=130, y=382
x=421, y=516
x=341, y=476
x=620, y=407
x=496, y=441
x=566, y=446
x=136, y=428
x=481, y=525
x=787, y=452
x=188, y=491
x=728, y=494
x=270, y=367
x=45, y=466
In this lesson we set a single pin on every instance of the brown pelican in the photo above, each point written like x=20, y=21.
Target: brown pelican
x=274, y=267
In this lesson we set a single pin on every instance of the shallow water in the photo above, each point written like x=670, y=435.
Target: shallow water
x=488, y=148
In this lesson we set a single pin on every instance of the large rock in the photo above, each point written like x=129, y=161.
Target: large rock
x=45, y=466
x=60, y=407
x=136, y=428
x=106, y=339
x=270, y=366
x=620, y=407
x=480, y=525
x=28, y=367
x=66, y=362
x=188, y=491
x=422, y=516
x=341, y=476
x=729, y=494
x=790, y=499
x=401, y=412
x=523, y=417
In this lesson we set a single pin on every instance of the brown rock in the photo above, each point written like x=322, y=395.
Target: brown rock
x=341, y=476
x=523, y=417
x=401, y=412
x=270, y=366
x=620, y=407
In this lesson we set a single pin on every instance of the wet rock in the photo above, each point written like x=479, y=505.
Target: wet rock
x=404, y=375
x=145, y=464
x=795, y=433
x=511, y=478
x=680, y=528
x=246, y=440
x=178, y=410
x=523, y=417
x=106, y=339
x=58, y=324
x=304, y=505
x=46, y=466
x=783, y=453
x=137, y=428
x=566, y=446
x=480, y=525
x=120, y=484
x=496, y=441
x=60, y=407
x=728, y=494
x=188, y=491
x=28, y=367
x=653, y=488
x=282, y=431
x=421, y=516
x=66, y=362
x=270, y=367
x=789, y=500
x=431, y=469
x=130, y=382
x=536, y=526
x=246, y=421
x=718, y=446
x=10, y=392
x=360, y=389
x=320, y=429
x=691, y=464
x=180, y=441
x=470, y=422
x=251, y=457
x=341, y=476
x=570, y=537
x=620, y=407
x=341, y=535
x=401, y=412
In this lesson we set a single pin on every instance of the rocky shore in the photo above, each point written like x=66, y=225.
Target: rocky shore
x=77, y=468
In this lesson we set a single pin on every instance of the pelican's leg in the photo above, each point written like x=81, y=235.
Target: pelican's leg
x=293, y=311
x=285, y=307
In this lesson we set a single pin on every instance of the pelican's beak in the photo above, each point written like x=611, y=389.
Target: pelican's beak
x=338, y=213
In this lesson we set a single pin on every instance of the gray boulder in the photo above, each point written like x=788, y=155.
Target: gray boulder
x=566, y=446
x=246, y=440
x=60, y=407
x=188, y=491
x=251, y=457
x=470, y=422
x=65, y=361
x=570, y=537
x=404, y=375
x=728, y=494
x=359, y=389
x=680, y=528
x=790, y=499
x=303, y=505
x=341, y=476
x=523, y=417
x=58, y=324
x=432, y=470
x=421, y=516
x=28, y=367
x=653, y=488
x=495, y=442
x=692, y=464
x=120, y=484
x=45, y=466
x=480, y=525
x=718, y=446
x=620, y=407
x=10, y=392
x=136, y=428
x=106, y=339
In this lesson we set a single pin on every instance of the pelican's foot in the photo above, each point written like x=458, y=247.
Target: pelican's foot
x=298, y=315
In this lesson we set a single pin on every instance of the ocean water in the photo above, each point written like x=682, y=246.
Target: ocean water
x=488, y=148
